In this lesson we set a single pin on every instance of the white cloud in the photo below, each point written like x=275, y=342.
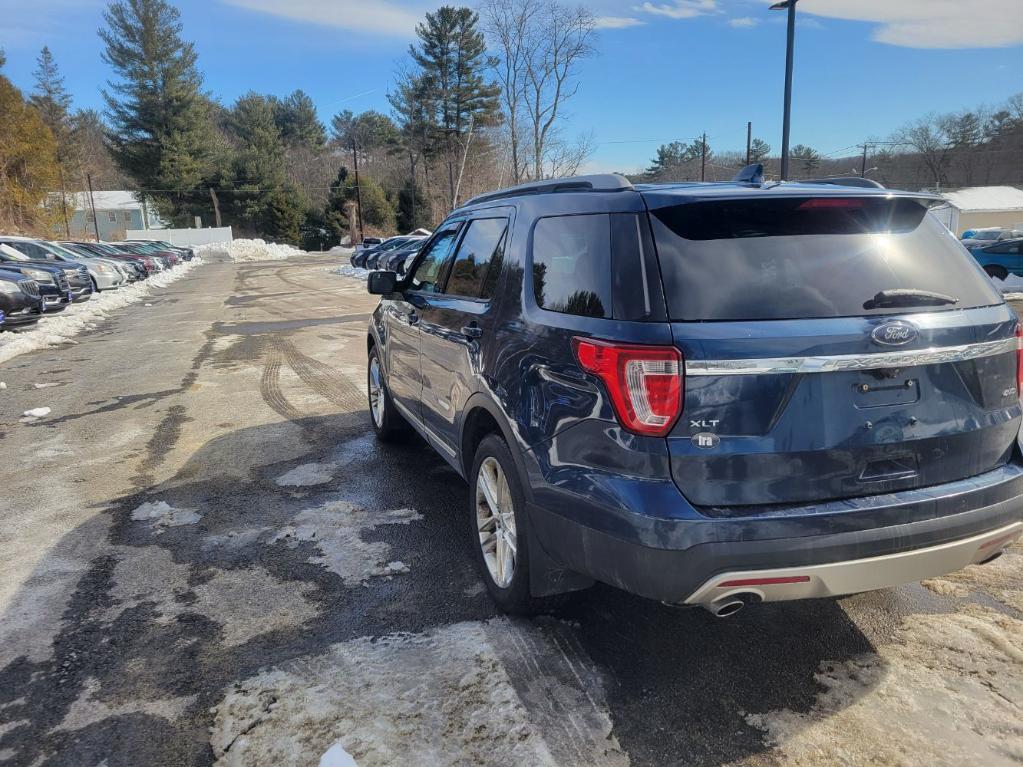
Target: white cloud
x=379, y=17
x=744, y=21
x=681, y=9
x=931, y=23
x=617, y=22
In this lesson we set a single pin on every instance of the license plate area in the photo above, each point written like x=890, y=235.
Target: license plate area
x=883, y=392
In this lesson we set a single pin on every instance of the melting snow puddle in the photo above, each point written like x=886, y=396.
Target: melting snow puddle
x=951, y=682
x=162, y=515
x=336, y=530
x=308, y=475
x=1001, y=578
x=494, y=693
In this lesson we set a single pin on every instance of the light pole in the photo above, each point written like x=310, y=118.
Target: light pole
x=790, y=6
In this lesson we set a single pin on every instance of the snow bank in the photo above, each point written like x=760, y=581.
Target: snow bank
x=498, y=693
x=56, y=329
x=352, y=271
x=248, y=250
x=1011, y=286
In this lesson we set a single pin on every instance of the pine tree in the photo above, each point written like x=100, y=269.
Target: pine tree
x=161, y=133
x=452, y=56
x=413, y=211
x=258, y=169
x=297, y=121
x=50, y=97
x=807, y=157
x=759, y=150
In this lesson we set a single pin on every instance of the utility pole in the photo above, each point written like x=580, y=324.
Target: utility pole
x=63, y=200
x=703, y=158
x=790, y=7
x=92, y=204
x=863, y=167
x=358, y=188
x=749, y=141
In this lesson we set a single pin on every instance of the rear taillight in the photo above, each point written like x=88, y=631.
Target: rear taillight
x=645, y=383
x=1019, y=360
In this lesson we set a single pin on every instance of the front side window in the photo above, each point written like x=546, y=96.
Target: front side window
x=430, y=269
x=479, y=252
x=572, y=265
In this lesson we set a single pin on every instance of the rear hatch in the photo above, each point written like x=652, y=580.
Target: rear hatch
x=837, y=344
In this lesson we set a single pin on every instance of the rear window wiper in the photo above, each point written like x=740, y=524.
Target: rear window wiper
x=907, y=297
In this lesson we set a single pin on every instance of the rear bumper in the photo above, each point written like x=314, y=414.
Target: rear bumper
x=856, y=575
x=844, y=547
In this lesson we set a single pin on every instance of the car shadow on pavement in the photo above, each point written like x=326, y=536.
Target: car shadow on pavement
x=221, y=571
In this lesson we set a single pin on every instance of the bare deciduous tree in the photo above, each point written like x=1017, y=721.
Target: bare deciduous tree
x=540, y=44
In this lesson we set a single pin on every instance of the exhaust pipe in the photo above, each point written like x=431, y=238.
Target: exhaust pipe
x=726, y=607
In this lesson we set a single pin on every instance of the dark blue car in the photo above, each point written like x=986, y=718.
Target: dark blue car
x=707, y=394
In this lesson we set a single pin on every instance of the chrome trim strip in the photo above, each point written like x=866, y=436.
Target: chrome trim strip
x=844, y=362
x=429, y=434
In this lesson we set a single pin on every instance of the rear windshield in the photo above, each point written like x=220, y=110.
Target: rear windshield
x=805, y=257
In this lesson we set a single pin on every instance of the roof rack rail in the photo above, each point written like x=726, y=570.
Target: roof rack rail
x=601, y=182
x=863, y=183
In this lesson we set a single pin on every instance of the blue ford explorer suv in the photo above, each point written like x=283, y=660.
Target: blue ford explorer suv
x=707, y=394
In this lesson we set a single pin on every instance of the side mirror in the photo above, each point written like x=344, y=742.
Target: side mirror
x=381, y=283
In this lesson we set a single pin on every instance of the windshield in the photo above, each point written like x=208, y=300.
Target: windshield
x=16, y=255
x=790, y=258
x=60, y=250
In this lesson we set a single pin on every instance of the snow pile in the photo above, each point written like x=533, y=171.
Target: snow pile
x=1011, y=286
x=464, y=694
x=162, y=515
x=950, y=681
x=56, y=329
x=248, y=250
x=352, y=271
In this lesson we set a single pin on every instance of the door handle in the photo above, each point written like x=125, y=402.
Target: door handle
x=472, y=331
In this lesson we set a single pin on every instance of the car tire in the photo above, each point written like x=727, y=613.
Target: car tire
x=387, y=422
x=997, y=272
x=491, y=530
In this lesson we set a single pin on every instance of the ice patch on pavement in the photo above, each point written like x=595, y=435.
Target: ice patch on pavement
x=950, y=682
x=336, y=756
x=36, y=413
x=245, y=602
x=336, y=530
x=307, y=475
x=56, y=329
x=460, y=694
x=90, y=707
x=248, y=250
x=47, y=385
x=162, y=515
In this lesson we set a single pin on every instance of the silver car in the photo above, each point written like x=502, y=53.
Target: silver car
x=106, y=273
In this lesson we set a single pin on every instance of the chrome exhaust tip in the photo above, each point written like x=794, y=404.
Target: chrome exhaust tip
x=725, y=607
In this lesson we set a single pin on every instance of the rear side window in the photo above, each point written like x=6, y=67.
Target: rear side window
x=806, y=257
x=572, y=265
x=477, y=255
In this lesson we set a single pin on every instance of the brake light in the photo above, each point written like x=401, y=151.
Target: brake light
x=645, y=383
x=1019, y=360
x=818, y=203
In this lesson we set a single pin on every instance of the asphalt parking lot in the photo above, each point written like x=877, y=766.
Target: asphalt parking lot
x=208, y=558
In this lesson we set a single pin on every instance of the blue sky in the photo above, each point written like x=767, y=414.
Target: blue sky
x=665, y=70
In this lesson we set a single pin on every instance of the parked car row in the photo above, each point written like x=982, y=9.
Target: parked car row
x=391, y=254
x=44, y=277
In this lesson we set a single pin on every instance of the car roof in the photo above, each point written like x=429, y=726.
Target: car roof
x=686, y=191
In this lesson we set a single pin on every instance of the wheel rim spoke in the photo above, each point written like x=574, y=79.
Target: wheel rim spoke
x=495, y=522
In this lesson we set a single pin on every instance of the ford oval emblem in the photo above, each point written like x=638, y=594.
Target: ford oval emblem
x=895, y=333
